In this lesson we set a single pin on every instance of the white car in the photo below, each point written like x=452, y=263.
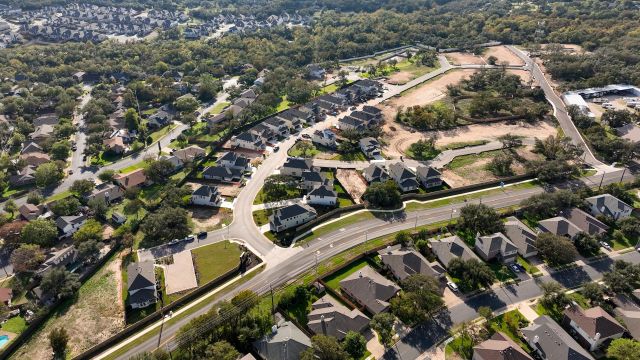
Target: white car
x=452, y=286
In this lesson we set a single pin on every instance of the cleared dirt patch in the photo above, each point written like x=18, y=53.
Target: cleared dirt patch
x=401, y=77
x=503, y=55
x=569, y=48
x=352, y=182
x=540, y=129
x=180, y=275
x=208, y=219
x=430, y=91
x=94, y=316
x=464, y=58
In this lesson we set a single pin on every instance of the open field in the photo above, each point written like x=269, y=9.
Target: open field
x=97, y=310
x=464, y=58
x=213, y=260
x=503, y=55
x=524, y=75
x=209, y=219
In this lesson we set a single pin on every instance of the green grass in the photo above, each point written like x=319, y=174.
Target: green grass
x=333, y=281
x=343, y=198
x=466, y=160
x=514, y=321
x=297, y=151
x=163, y=285
x=133, y=167
x=157, y=135
x=531, y=269
x=461, y=145
x=214, y=260
x=355, y=156
x=105, y=158
x=502, y=272
x=149, y=112
x=329, y=89
x=15, y=325
x=284, y=104
x=330, y=227
x=217, y=109
x=261, y=217
x=150, y=194
x=556, y=313
x=461, y=345
x=58, y=196
x=262, y=197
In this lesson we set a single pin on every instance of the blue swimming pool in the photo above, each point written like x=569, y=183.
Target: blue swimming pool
x=4, y=339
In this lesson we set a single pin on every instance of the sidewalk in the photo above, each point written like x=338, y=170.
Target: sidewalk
x=276, y=204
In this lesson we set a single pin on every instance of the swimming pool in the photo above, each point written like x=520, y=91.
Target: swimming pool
x=4, y=339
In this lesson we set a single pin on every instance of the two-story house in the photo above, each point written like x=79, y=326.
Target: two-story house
x=141, y=284
x=375, y=173
x=323, y=195
x=609, y=205
x=404, y=177
x=206, y=195
x=295, y=166
x=370, y=147
x=429, y=177
x=291, y=216
x=496, y=246
x=594, y=326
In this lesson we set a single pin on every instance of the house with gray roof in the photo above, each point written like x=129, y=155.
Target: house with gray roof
x=403, y=262
x=284, y=342
x=206, y=195
x=629, y=312
x=323, y=195
x=559, y=226
x=551, y=342
x=68, y=225
x=404, y=177
x=222, y=174
x=369, y=289
x=249, y=140
x=585, y=222
x=295, y=166
x=496, y=246
x=291, y=216
x=312, y=179
x=521, y=236
x=106, y=191
x=609, y=205
x=141, y=284
x=429, y=177
x=58, y=259
x=232, y=159
x=594, y=326
x=370, y=147
x=329, y=317
x=451, y=248
x=499, y=347
x=375, y=173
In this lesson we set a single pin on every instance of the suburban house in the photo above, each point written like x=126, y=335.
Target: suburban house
x=58, y=259
x=294, y=166
x=114, y=145
x=370, y=147
x=232, y=159
x=406, y=179
x=324, y=138
x=174, y=160
x=404, y=262
x=551, y=342
x=559, y=226
x=629, y=312
x=265, y=132
x=35, y=158
x=284, y=342
x=609, y=205
x=296, y=117
x=351, y=123
x=46, y=119
x=68, y=225
x=585, y=222
x=42, y=133
x=291, y=216
x=323, y=195
x=368, y=118
x=372, y=110
x=594, y=326
x=429, y=177
x=26, y=176
x=222, y=174
x=206, y=195
x=369, y=289
x=312, y=179
x=499, y=347
x=496, y=246
x=189, y=154
x=450, y=248
x=107, y=191
x=6, y=294
x=160, y=119
x=278, y=126
x=315, y=72
x=29, y=211
x=135, y=178
x=31, y=147
x=248, y=140
x=141, y=284
x=521, y=236
x=375, y=173
x=329, y=317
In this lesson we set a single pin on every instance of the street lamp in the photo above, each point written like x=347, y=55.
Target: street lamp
x=451, y=217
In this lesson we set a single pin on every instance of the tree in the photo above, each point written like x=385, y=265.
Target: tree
x=492, y=60
x=354, y=344
x=34, y=197
x=617, y=118
x=480, y=218
x=485, y=312
x=26, y=258
x=40, y=231
x=82, y=188
x=132, y=119
x=107, y=175
x=383, y=195
x=623, y=278
x=47, y=174
x=557, y=148
x=88, y=249
x=166, y=224
x=65, y=207
x=58, y=339
x=557, y=250
x=594, y=292
x=324, y=348
x=552, y=170
x=383, y=325
x=132, y=207
x=553, y=295
x=630, y=227
x=587, y=245
x=186, y=103
x=222, y=350
x=420, y=299
x=510, y=141
x=98, y=206
x=10, y=207
x=60, y=150
x=424, y=149
x=545, y=205
x=403, y=238
x=158, y=171
x=60, y=283
x=624, y=349
x=472, y=273
x=501, y=165
x=90, y=230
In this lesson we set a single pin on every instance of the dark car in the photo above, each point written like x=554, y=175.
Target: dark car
x=202, y=235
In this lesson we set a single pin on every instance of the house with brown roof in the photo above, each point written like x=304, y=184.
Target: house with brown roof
x=6, y=294
x=629, y=312
x=29, y=211
x=189, y=154
x=369, y=289
x=499, y=347
x=35, y=158
x=329, y=317
x=26, y=176
x=131, y=179
x=114, y=145
x=594, y=326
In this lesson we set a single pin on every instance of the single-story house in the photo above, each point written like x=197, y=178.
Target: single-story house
x=114, y=145
x=629, y=312
x=29, y=211
x=551, y=342
x=499, y=347
x=369, y=289
x=35, y=158
x=284, y=342
x=26, y=176
x=58, y=259
x=135, y=178
x=330, y=318
x=189, y=154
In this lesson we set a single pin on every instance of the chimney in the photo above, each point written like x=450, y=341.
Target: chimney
x=536, y=339
x=359, y=273
x=126, y=181
x=324, y=325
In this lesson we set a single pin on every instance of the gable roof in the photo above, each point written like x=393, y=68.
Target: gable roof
x=221, y=172
x=298, y=163
x=451, y=247
x=323, y=191
x=370, y=288
x=594, y=321
x=31, y=147
x=494, y=242
x=585, y=222
x=499, y=347
x=559, y=226
x=520, y=234
x=206, y=190
x=133, y=178
x=374, y=171
x=313, y=176
x=329, y=317
x=629, y=312
x=551, y=340
x=292, y=211
x=63, y=221
x=371, y=110
x=140, y=275
x=425, y=172
x=401, y=171
x=405, y=262
x=286, y=342
x=608, y=204
x=189, y=153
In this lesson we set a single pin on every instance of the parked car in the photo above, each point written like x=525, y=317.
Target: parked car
x=514, y=268
x=522, y=269
x=306, y=136
x=189, y=238
x=202, y=235
x=452, y=286
x=174, y=241
x=74, y=147
x=605, y=245
x=276, y=148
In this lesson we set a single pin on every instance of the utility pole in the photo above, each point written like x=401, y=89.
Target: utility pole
x=623, y=172
x=273, y=308
x=601, y=180
x=415, y=226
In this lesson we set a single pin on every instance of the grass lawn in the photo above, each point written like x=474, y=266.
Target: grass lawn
x=261, y=217
x=105, y=158
x=299, y=309
x=149, y=194
x=160, y=277
x=460, y=145
x=149, y=112
x=557, y=313
x=423, y=156
x=343, y=198
x=156, y=135
x=58, y=196
x=509, y=323
x=333, y=280
x=133, y=167
x=291, y=193
x=213, y=260
x=502, y=272
x=325, y=229
x=303, y=149
x=120, y=209
x=329, y=89
x=355, y=156
x=284, y=104
x=466, y=160
x=15, y=325
x=462, y=345
x=531, y=269
x=217, y=109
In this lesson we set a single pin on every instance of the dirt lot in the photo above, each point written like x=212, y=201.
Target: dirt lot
x=540, y=129
x=208, y=219
x=569, y=48
x=430, y=91
x=502, y=54
x=524, y=75
x=96, y=315
x=464, y=58
x=352, y=182
x=616, y=100
x=401, y=77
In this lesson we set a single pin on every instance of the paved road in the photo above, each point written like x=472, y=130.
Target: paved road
x=427, y=335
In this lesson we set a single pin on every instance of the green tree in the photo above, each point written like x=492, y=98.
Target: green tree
x=82, y=188
x=158, y=171
x=10, y=207
x=324, y=348
x=420, y=299
x=623, y=278
x=587, y=245
x=501, y=165
x=222, y=350
x=472, y=273
x=166, y=224
x=594, y=292
x=557, y=250
x=630, y=227
x=480, y=218
x=34, y=197
x=107, y=175
x=98, y=206
x=553, y=295
x=354, y=344
x=47, y=174
x=403, y=238
x=65, y=207
x=510, y=141
x=485, y=312
x=88, y=249
x=424, y=149
x=90, y=230
x=383, y=325
x=60, y=283
x=545, y=205
x=186, y=104
x=624, y=349
x=58, y=339
x=383, y=195
x=60, y=150
x=42, y=232
x=26, y=258
x=132, y=119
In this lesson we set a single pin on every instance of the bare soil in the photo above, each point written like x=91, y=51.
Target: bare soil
x=503, y=55
x=464, y=58
x=208, y=219
x=400, y=77
x=569, y=48
x=97, y=314
x=430, y=91
x=353, y=183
